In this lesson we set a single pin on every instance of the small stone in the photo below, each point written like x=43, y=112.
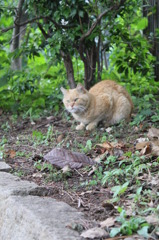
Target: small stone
x=4, y=167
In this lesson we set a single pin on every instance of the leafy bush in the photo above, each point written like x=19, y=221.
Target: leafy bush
x=131, y=62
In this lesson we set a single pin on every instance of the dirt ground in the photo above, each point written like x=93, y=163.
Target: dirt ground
x=23, y=149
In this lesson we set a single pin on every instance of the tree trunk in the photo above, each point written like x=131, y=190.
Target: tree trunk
x=69, y=69
x=89, y=58
x=153, y=24
x=18, y=34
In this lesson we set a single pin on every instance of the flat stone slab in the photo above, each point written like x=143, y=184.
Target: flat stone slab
x=26, y=217
x=12, y=185
x=4, y=167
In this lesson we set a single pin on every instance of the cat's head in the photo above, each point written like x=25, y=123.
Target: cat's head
x=75, y=100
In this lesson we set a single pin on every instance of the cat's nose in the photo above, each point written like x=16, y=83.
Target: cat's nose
x=72, y=104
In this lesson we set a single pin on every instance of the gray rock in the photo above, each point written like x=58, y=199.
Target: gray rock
x=4, y=167
x=25, y=217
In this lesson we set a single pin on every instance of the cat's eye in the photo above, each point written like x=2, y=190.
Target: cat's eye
x=76, y=99
x=68, y=101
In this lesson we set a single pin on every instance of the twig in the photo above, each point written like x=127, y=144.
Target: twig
x=95, y=24
x=68, y=195
x=78, y=172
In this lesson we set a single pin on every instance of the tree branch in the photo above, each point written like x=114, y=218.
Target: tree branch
x=58, y=25
x=95, y=24
x=115, y=7
x=46, y=35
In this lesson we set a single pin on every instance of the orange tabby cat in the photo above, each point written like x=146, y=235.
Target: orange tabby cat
x=106, y=101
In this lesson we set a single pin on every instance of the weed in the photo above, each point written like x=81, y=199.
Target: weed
x=49, y=134
x=53, y=174
x=128, y=227
x=3, y=141
x=14, y=118
x=19, y=173
x=110, y=160
x=97, y=177
x=120, y=189
x=155, y=117
x=87, y=147
x=6, y=127
x=21, y=154
x=32, y=114
x=40, y=138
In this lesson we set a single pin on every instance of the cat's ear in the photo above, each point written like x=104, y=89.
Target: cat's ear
x=63, y=90
x=80, y=88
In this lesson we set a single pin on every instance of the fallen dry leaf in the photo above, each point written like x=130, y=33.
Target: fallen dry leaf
x=153, y=133
x=113, y=148
x=94, y=233
x=155, y=148
x=141, y=139
x=146, y=150
x=61, y=157
x=152, y=219
x=11, y=153
x=147, y=147
x=50, y=118
x=141, y=145
x=66, y=169
x=106, y=145
x=101, y=157
x=37, y=175
x=109, y=222
x=109, y=129
x=60, y=138
x=94, y=168
x=154, y=181
x=151, y=204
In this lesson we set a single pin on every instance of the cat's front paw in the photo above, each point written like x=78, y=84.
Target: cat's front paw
x=80, y=126
x=91, y=126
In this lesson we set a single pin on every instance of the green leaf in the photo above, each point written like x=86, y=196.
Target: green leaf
x=3, y=81
x=144, y=231
x=40, y=102
x=118, y=190
x=142, y=24
x=114, y=232
x=81, y=14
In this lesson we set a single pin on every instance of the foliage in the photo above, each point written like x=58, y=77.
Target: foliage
x=31, y=92
x=54, y=174
x=40, y=138
x=128, y=227
x=36, y=86
x=130, y=53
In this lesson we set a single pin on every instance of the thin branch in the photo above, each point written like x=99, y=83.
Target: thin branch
x=17, y=35
x=95, y=24
x=7, y=29
x=46, y=18
x=46, y=35
x=115, y=7
x=58, y=25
